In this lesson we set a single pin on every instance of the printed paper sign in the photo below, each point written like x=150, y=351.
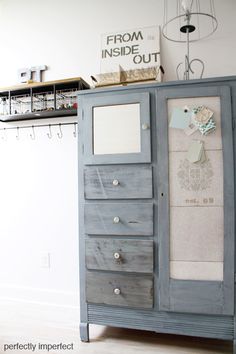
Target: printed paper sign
x=131, y=49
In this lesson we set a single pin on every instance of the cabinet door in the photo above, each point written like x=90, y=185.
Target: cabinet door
x=116, y=128
x=196, y=204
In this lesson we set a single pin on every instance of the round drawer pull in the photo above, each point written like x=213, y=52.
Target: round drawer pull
x=117, y=291
x=117, y=255
x=115, y=182
x=116, y=220
x=145, y=126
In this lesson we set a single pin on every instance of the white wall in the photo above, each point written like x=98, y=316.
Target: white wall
x=38, y=179
x=66, y=36
x=38, y=208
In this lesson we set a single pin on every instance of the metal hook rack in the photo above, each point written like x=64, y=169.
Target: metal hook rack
x=33, y=135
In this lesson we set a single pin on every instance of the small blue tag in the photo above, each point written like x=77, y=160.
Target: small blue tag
x=180, y=118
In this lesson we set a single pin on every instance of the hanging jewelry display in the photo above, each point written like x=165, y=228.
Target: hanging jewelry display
x=187, y=21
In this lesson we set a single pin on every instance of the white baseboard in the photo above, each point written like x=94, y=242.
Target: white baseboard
x=31, y=306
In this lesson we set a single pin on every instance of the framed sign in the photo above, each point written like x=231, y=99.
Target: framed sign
x=130, y=50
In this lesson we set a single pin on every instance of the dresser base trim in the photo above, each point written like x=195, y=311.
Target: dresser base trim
x=221, y=327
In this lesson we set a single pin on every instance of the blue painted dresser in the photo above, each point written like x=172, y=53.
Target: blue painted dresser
x=157, y=230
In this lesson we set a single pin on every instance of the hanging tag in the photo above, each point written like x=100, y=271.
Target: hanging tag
x=204, y=120
x=195, y=151
x=202, y=114
x=180, y=118
x=192, y=128
x=203, y=157
x=208, y=128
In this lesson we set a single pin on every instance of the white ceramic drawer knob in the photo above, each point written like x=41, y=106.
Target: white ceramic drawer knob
x=145, y=126
x=115, y=182
x=116, y=220
x=117, y=255
x=117, y=291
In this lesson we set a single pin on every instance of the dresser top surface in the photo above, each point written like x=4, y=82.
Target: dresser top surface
x=154, y=84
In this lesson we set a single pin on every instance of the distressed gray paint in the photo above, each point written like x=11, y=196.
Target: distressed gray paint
x=135, y=290
x=221, y=327
x=133, y=182
x=229, y=204
x=163, y=201
x=83, y=305
x=163, y=316
x=84, y=331
x=135, y=219
x=135, y=255
x=196, y=296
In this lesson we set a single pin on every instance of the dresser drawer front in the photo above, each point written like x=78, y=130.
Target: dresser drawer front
x=119, y=255
x=120, y=290
x=118, y=182
x=119, y=219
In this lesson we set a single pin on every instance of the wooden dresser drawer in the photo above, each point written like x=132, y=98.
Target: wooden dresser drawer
x=118, y=182
x=119, y=255
x=120, y=290
x=119, y=218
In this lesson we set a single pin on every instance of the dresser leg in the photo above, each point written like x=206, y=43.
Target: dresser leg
x=234, y=346
x=84, y=332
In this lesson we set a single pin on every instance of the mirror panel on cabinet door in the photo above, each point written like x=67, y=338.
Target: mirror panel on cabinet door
x=117, y=128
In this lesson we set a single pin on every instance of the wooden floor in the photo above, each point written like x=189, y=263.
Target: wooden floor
x=32, y=324
x=107, y=340
x=115, y=340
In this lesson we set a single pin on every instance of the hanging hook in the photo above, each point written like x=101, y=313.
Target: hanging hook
x=4, y=136
x=188, y=68
x=60, y=135
x=50, y=132
x=18, y=134
x=33, y=133
x=74, y=132
x=201, y=62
